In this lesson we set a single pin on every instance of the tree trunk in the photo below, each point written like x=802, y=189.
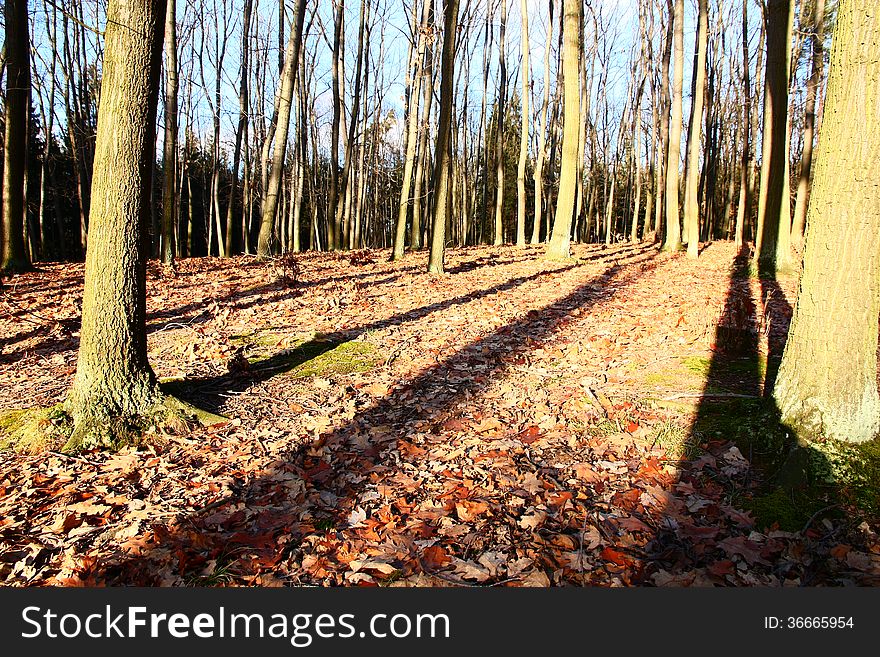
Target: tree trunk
x=412, y=124
x=419, y=194
x=524, y=130
x=442, y=151
x=542, y=136
x=114, y=380
x=818, y=63
x=692, y=177
x=774, y=205
x=288, y=76
x=561, y=236
x=352, y=129
x=827, y=382
x=242, y=121
x=743, y=209
x=673, y=149
x=499, y=128
x=169, y=155
x=333, y=238
x=665, y=104
x=16, y=110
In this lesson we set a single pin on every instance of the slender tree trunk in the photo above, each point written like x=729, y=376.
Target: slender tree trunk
x=412, y=123
x=665, y=108
x=743, y=210
x=692, y=179
x=288, y=76
x=542, y=135
x=353, y=124
x=673, y=150
x=774, y=204
x=524, y=131
x=827, y=382
x=169, y=155
x=500, y=110
x=419, y=193
x=333, y=238
x=442, y=152
x=16, y=109
x=242, y=121
x=818, y=63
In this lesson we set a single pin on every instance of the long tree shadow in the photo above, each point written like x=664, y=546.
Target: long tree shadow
x=305, y=494
x=197, y=312
x=210, y=393
x=738, y=453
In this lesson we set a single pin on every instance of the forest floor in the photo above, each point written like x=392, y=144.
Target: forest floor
x=514, y=422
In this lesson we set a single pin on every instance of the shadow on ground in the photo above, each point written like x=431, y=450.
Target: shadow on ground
x=306, y=494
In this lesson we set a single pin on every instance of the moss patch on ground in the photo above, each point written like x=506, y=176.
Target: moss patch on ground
x=321, y=357
x=347, y=358
x=35, y=430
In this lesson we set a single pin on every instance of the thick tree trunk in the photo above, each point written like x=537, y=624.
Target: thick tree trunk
x=827, y=382
x=442, y=151
x=673, y=149
x=16, y=109
x=561, y=236
x=113, y=378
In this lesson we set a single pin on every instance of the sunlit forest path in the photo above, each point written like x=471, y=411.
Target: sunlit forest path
x=515, y=421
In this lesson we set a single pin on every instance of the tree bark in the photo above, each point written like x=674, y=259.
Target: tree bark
x=692, y=178
x=524, y=130
x=500, y=110
x=333, y=238
x=542, y=136
x=16, y=110
x=774, y=205
x=412, y=124
x=113, y=377
x=442, y=150
x=288, y=76
x=743, y=209
x=800, y=208
x=665, y=104
x=827, y=382
x=560, y=240
x=673, y=148
x=169, y=155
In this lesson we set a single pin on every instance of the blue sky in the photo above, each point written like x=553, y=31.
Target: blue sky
x=391, y=33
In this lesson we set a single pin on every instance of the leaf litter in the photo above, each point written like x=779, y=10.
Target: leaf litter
x=503, y=430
